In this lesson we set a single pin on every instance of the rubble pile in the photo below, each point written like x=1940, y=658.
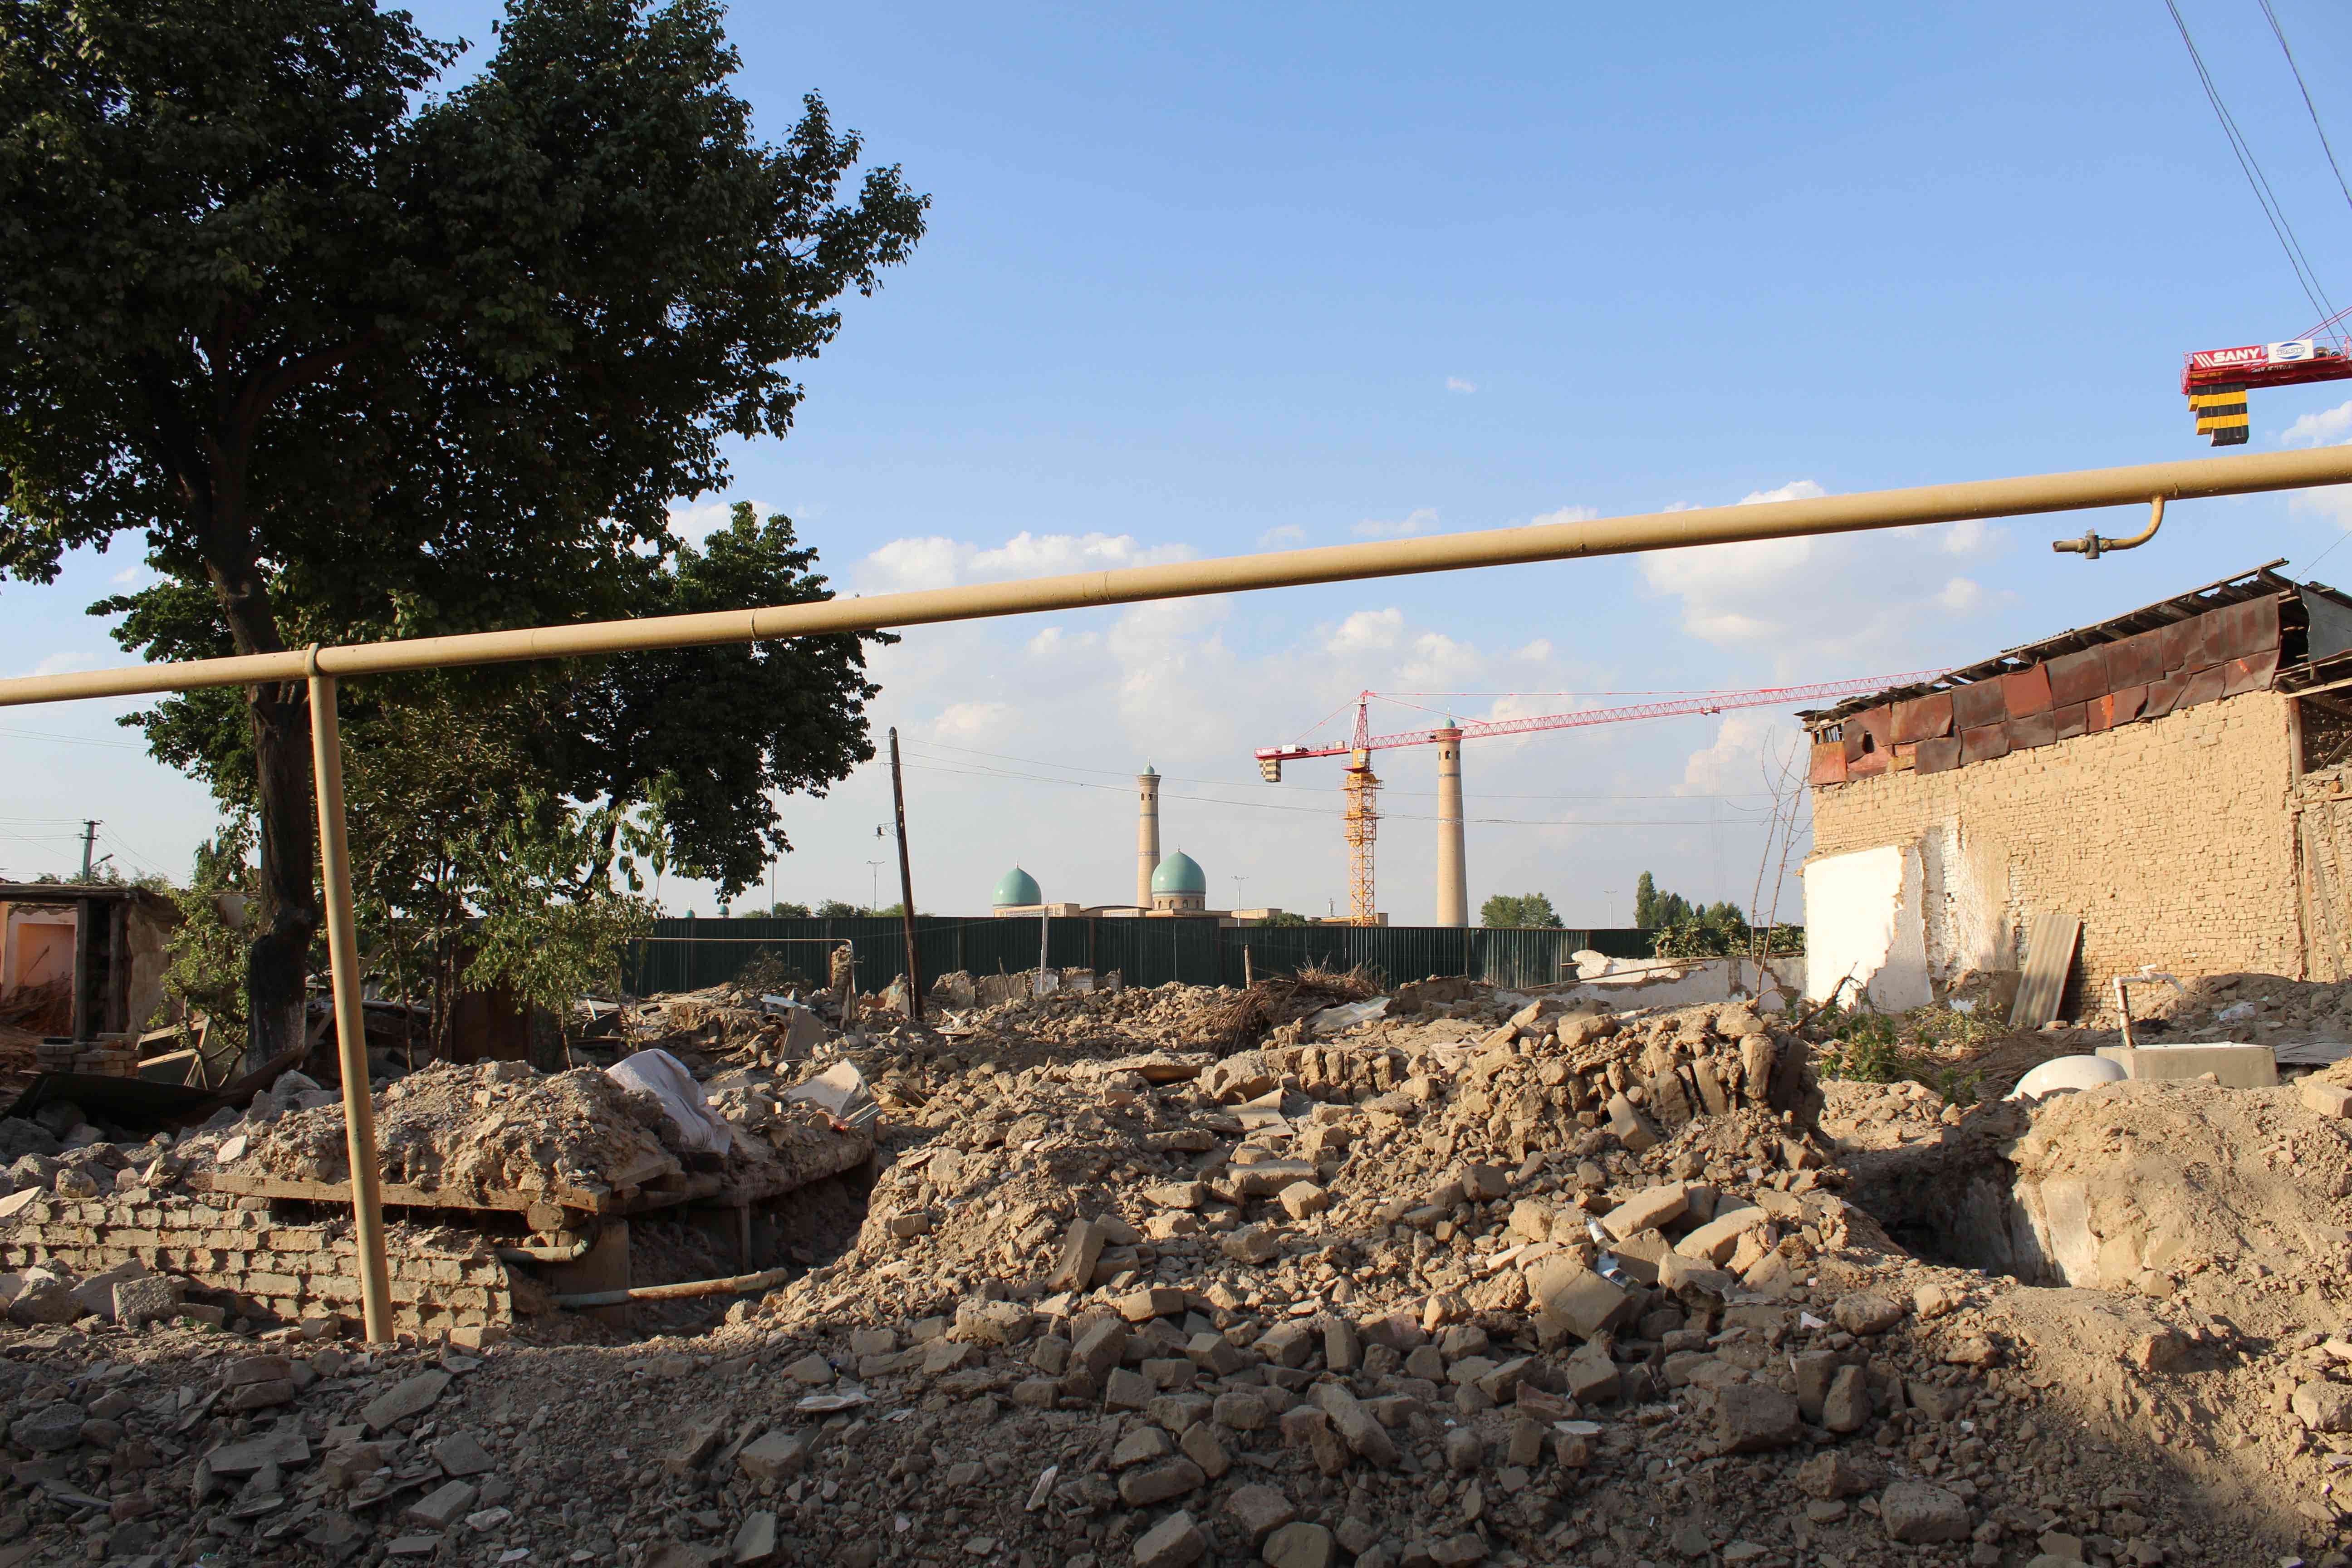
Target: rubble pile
x=478, y=1131
x=1472, y=1278
x=2267, y=1008
x=1100, y=1022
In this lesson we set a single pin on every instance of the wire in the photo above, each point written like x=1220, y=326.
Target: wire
x=133, y=856
x=2239, y=147
x=71, y=740
x=2314, y=564
x=1324, y=810
x=2280, y=33
x=915, y=748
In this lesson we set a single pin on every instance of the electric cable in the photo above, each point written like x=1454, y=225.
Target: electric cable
x=2307, y=279
x=2280, y=33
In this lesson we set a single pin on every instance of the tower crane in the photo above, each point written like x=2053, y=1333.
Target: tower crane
x=2215, y=381
x=1360, y=816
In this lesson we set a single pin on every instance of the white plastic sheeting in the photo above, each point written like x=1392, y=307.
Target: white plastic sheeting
x=700, y=1130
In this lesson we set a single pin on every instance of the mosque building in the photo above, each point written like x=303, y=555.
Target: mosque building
x=1173, y=888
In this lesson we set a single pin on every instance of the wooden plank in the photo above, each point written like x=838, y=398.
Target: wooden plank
x=2048, y=959
x=398, y=1195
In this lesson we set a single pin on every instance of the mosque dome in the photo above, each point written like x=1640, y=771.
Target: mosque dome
x=1018, y=889
x=1179, y=873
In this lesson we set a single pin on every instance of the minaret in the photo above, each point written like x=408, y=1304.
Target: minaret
x=1452, y=890
x=1147, y=835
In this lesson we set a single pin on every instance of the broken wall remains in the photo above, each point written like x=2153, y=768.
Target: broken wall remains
x=2171, y=837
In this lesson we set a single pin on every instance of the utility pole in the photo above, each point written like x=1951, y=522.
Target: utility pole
x=905, y=883
x=89, y=843
x=874, y=886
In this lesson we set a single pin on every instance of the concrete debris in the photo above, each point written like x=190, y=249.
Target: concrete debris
x=1478, y=1279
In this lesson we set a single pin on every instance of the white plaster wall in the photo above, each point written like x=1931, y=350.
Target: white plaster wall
x=1964, y=906
x=1624, y=983
x=1864, y=918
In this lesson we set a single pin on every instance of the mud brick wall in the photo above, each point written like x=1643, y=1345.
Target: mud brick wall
x=2173, y=840
x=264, y=1266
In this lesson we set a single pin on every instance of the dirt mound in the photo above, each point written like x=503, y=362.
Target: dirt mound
x=482, y=1130
x=2236, y=1199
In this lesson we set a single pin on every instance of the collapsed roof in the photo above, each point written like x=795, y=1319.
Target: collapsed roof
x=2254, y=631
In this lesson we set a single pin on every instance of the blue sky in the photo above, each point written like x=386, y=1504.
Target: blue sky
x=1214, y=279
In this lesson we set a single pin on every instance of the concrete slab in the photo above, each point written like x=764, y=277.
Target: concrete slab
x=2236, y=1066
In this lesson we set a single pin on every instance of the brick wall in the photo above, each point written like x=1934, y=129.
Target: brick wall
x=257, y=1264
x=2324, y=816
x=2172, y=838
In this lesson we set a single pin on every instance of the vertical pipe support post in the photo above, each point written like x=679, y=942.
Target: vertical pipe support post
x=350, y=1036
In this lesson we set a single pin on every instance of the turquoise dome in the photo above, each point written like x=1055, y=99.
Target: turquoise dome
x=1017, y=888
x=1179, y=873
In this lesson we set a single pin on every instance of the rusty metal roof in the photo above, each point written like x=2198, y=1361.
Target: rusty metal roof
x=2255, y=582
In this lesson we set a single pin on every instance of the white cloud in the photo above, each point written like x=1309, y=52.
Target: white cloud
x=1795, y=489
x=60, y=663
x=973, y=720
x=1421, y=520
x=1288, y=536
x=1565, y=514
x=1366, y=629
x=1456, y=383
x=2327, y=427
x=1819, y=606
x=697, y=523
x=1535, y=652
x=1972, y=536
x=1438, y=661
x=1735, y=763
x=1054, y=642
x=933, y=561
x=130, y=577
x=2331, y=503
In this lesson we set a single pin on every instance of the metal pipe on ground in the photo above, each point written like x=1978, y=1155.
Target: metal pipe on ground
x=570, y=1252
x=2195, y=477
x=733, y=1285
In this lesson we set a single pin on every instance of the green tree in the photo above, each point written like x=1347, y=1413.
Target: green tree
x=361, y=354
x=1654, y=910
x=1284, y=918
x=837, y=910
x=1508, y=910
x=788, y=911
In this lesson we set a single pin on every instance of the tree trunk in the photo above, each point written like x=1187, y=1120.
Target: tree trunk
x=277, y=964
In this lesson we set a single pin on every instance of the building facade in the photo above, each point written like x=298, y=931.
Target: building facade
x=2177, y=778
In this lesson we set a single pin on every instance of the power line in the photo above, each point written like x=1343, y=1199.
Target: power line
x=2305, y=277
x=1334, y=789
x=2284, y=49
x=71, y=740
x=1324, y=810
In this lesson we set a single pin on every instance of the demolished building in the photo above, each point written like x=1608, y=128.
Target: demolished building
x=2176, y=778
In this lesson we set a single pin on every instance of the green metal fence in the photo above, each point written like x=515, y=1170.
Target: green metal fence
x=687, y=954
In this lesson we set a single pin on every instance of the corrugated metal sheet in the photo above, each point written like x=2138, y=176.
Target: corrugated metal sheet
x=688, y=954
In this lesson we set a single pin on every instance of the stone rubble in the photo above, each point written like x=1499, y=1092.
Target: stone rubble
x=1480, y=1281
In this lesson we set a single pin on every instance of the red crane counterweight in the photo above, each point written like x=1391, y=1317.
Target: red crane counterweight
x=2215, y=381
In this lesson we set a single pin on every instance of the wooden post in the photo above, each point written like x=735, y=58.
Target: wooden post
x=351, y=1038
x=905, y=884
